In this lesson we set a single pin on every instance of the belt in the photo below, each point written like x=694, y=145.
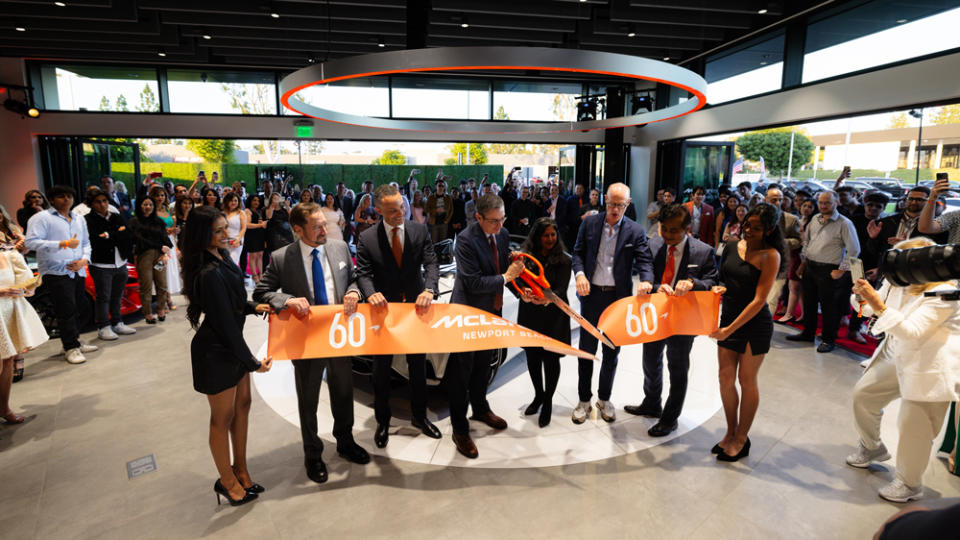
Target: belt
x=602, y=288
x=815, y=263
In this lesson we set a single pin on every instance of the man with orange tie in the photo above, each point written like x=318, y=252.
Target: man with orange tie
x=681, y=264
x=389, y=260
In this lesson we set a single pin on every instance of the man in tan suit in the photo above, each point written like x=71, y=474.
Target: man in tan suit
x=790, y=228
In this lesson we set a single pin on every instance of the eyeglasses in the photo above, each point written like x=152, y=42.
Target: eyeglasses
x=916, y=199
x=619, y=206
x=501, y=221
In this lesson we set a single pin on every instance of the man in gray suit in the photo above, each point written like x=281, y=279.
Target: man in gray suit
x=316, y=270
x=790, y=228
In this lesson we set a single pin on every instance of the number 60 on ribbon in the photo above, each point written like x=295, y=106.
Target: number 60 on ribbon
x=354, y=332
x=644, y=322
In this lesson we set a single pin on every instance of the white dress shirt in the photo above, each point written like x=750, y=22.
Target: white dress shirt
x=307, y=253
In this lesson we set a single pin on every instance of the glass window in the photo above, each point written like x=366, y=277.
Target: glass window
x=437, y=97
x=99, y=88
x=746, y=72
x=221, y=92
x=878, y=33
x=369, y=96
x=545, y=101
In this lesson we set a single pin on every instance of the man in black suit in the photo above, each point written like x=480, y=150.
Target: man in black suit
x=891, y=230
x=389, y=257
x=316, y=270
x=523, y=213
x=610, y=248
x=681, y=264
x=483, y=269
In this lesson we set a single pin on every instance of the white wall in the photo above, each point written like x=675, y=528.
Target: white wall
x=931, y=80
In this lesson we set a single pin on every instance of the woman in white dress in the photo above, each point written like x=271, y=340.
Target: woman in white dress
x=332, y=212
x=236, y=226
x=20, y=326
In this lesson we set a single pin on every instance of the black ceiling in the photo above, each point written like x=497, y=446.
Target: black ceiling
x=245, y=32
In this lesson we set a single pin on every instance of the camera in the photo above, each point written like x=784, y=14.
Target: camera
x=923, y=265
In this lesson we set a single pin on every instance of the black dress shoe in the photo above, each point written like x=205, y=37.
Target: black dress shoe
x=545, y=413
x=466, y=446
x=660, y=429
x=644, y=409
x=744, y=452
x=426, y=427
x=354, y=453
x=533, y=407
x=491, y=420
x=381, y=437
x=316, y=471
x=826, y=347
x=801, y=337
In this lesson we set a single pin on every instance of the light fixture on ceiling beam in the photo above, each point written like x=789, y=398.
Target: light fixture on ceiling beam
x=162, y=53
x=20, y=29
x=275, y=15
x=21, y=107
x=381, y=43
x=762, y=11
x=464, y=23
x=631, y=33
x=59, y=4
x=901, y=21
x=207, y=36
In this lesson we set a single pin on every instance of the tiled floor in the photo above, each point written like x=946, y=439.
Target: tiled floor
x=62, y=474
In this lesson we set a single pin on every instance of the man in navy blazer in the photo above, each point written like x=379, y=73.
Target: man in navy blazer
x=681, y=264
x=610, y=248
x=389, y=260
x=483, y=269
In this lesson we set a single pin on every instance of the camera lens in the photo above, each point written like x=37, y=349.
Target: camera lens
x=921, y=265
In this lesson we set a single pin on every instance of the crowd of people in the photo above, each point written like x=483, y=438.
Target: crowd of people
x=761, y=248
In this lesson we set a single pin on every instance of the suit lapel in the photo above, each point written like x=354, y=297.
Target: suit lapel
x=408, y=247
x=333, y=273
x=683, y=271
x=659, y=259
x=294, y=262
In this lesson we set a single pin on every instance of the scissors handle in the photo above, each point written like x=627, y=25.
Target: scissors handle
x=535, y=282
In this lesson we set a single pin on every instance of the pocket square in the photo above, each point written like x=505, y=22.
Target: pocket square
x=693, y=265
x=342, y=265
x=628, y=245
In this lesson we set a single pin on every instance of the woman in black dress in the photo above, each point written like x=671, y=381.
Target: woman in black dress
x=277, y=214
x=256, y=238
x=543, y=316
x=221, y=359
x=748, y=268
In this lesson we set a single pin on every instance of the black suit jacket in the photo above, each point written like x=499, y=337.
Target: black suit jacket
x=377, y=270
x=632, y=253
x=478, y=281
x=698, y=263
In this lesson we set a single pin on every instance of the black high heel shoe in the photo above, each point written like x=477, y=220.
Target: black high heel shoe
x=744, y=452
x=254, y=488
x=533, y=407
x=220, y=490
x=716, y=449
x=545, y=413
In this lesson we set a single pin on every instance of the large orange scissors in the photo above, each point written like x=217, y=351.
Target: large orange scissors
x=540, y=288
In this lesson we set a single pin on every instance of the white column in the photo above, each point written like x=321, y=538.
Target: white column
x=939, y=155
x=911, y=153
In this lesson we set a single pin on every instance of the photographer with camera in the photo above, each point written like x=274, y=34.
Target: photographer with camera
x=918, y=361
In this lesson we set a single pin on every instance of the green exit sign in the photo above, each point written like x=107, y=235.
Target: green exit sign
x=304, y=131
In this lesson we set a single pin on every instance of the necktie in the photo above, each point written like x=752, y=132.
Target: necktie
x=498, y=300
x=319, y=282
x=668, y=270
x=397, y=248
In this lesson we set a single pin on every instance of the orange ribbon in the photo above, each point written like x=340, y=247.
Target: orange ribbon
x=398, y=329
x=658, y=316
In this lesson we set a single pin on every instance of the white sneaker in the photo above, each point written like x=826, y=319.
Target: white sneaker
x=106, y=334
x=581, y=412
x=863, y=457
x=123, y=330
x=607, y=411
x=899, y=492
x=74, y=356
x=88, y=348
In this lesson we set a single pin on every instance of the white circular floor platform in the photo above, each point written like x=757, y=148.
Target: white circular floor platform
x=523, y=444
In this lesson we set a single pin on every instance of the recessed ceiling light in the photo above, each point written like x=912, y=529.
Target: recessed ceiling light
x=762, y=12
x=464, y=25
x=20, y=29
x=275, y=15
x=59, y=4
x=763, y=62
x=380, y=43
x=901, y=21
x=583, y=0
x=631, y=34
x=161, y=53
x=666, y=58
x=207, y=36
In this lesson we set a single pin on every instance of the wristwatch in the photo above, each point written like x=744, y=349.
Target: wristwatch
x=431, y=291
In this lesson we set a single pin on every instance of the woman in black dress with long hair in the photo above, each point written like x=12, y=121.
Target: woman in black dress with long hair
x=748, y=268
x=221, y=360
x=543, y=316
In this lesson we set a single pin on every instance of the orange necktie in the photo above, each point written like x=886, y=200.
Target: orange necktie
x=397, y=248
x=668, y=270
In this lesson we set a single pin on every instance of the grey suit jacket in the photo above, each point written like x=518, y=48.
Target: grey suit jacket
x=285, y=276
